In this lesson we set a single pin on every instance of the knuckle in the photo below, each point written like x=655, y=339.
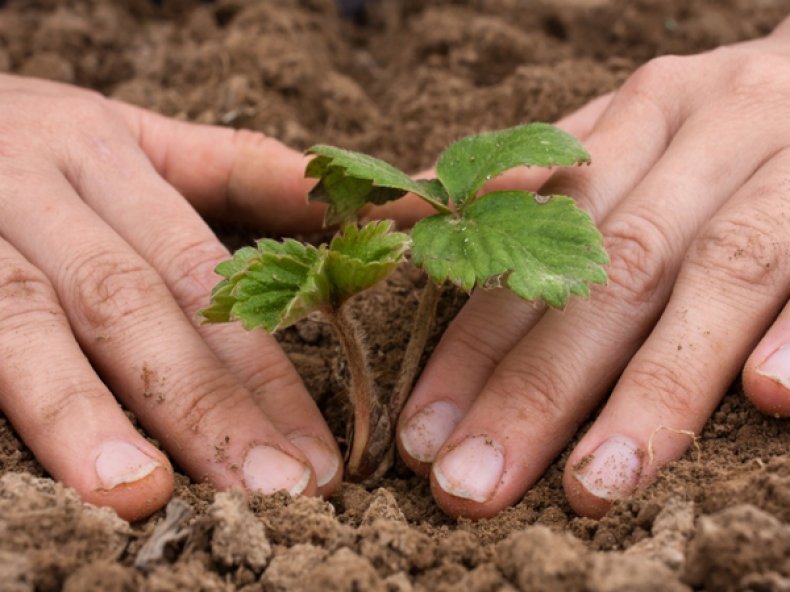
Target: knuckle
x=530, y=390
x=747, y=252
x=654, y=77
x=638, y=253
x=192, y=272
x=66, y=406
x=215, y=402
x=656, y=85
x=655, y=74
x=274, y=377
x=106, y=288
x=470, y=339
x=763, y=72
x=244, y=138
x=25, y=295
x=82, y=110
x=663, y=386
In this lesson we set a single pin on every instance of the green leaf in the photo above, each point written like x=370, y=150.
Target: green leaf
x=236, y=263
x=349, y=180
x=359, y=258
x=218, y=311
x=280, y=286
x=547, y=249
x=465, y=166
x=280, y=283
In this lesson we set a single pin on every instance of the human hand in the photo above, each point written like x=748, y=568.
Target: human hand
x=103, y=265
x=690, y=187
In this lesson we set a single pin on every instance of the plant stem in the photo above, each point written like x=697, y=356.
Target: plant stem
x=421, y=329
x=361, y=392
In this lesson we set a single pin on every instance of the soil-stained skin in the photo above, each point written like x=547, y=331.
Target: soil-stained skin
x=400, y=84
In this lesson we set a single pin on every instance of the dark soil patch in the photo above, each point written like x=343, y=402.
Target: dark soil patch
x=399, y=81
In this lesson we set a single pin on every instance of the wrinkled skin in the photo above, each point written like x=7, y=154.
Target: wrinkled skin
x=690, y=185
x=104, y=260
x=103, y=267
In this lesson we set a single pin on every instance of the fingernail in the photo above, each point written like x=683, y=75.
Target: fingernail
x=471, y=470
x=428, y=430
x=267, y=469
x=120, y=462
x=777, y=366
x=324, y=460
x=612, y=471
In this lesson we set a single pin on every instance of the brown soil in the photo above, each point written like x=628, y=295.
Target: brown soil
x=400, y=82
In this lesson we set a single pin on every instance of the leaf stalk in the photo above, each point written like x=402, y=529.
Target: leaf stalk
x=363, y=455
x=421, y=329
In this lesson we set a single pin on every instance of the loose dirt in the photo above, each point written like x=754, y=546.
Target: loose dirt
x=399, y=81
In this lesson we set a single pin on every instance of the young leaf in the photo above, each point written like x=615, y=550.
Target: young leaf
x=348, y=180
x=279, y=283
x=539, y=250
x=466, y=165
x=218, y=311
x=360, y=258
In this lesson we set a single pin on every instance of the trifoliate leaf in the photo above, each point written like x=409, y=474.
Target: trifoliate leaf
x=280, y=283
x=348, y=180
x=359, y=258
x=545, y=250
x=280, y=286
x=465, y=166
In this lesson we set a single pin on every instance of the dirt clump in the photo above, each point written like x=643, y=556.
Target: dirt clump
x=399, y=80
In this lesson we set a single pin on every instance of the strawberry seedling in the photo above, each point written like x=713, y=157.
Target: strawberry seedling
x=541, y=248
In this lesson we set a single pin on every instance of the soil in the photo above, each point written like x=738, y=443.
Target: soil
x=399, y=80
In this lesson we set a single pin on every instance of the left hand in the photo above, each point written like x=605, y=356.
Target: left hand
x=690, y=185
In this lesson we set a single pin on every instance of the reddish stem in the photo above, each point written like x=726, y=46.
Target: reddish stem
x=421, y=329
x=361, y=392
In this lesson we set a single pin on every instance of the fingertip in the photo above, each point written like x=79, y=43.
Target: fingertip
x=470, y=478
x=138, y=496
x=421, y=469
x=268, y=468
x=582, y=501
x=767, y=383
x=421, y=433
x=459, y=507
x=325, y=459
x=597, y=475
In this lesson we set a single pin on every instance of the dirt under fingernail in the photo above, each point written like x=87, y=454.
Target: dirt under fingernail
x=400, y=83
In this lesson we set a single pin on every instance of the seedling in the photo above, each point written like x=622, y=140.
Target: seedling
x=541, y=248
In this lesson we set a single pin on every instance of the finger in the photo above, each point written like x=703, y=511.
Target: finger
x=551, y=381
x=145, y=348
x=243, y=175
x=47, y=388
x=163, y=228
x=766, y=376
x=228, y=173
x=488, y=326
x=444, y=392
x=738, y=267
x=225, y=173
